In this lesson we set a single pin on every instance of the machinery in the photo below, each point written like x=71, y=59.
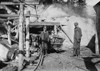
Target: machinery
x=31, y=45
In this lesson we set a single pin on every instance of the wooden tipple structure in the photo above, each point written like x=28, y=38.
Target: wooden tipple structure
x=25, y=52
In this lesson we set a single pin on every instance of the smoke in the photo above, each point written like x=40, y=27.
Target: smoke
x=68, y=15
x=82, y=10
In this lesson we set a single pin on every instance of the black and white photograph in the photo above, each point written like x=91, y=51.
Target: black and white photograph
x=49, y=35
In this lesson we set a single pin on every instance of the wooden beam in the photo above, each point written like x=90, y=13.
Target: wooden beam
x=11, y=3
x=96, y=44
x=9, y=33
x=21, y=43
x=44, y=23
x=16, y=15
x=55, y=29
x=96, y=38
x=27, y=37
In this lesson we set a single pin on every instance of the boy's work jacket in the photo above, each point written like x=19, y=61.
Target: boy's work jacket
x=77, y=35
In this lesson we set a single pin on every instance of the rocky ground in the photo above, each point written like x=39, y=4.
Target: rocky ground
x=63, y=61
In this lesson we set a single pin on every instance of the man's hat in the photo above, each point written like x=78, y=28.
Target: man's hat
x=76, y=23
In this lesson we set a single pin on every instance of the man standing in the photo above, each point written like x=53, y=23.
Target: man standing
x=45, y=40
x=77, y=39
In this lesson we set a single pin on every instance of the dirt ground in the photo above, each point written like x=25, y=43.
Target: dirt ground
x=63, y=61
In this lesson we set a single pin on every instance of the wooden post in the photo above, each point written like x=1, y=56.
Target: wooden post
x=96, y=44
x=96, y=38
x=55, y=29
x=21, y=44
x=9, y=32
x=27, y=36
x=9, y=36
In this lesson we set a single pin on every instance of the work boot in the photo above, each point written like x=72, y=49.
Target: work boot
x=79, y=57
x=73, y=55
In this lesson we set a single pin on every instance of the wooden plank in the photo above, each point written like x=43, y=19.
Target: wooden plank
x=16, y=15
x=44, y=23
x=9, y=18
x=56, y=43
x=11, y=3
x=8, y=15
